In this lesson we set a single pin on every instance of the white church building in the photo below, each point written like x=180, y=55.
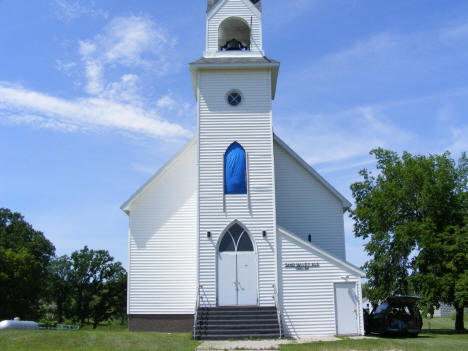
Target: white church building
x=237, y=236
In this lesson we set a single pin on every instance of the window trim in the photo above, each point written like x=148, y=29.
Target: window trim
x=234, y=91
x=226, y=232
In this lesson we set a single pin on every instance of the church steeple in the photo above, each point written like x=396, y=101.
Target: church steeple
x=234, y=28
x=212, y=3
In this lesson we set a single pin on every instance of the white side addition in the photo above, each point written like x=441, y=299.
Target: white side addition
x=308, y=276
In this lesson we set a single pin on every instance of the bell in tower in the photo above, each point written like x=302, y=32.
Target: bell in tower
x=234, y=34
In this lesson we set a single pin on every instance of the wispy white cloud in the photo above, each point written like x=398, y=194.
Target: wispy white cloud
x=460, y=140
x=130, y=41
x=125, y=43
x=94, y=76
x=384, y=57
x=166, y=102
x=126, y=90
x=36, y=121
x=176, y=106
x=376, y=45
x=455, y=32
x=286, y=11
x=148, y=170
x=367, y=59
x=385, y=67
x=342, y=166
x=68, y=10
x=66, y=67
x=342, y=136
x=25, y=106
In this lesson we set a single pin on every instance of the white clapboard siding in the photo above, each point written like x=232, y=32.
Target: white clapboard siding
x=237, y=8
x=163, y=241
x=308, y=296
x=250, y=125
x=305, y=206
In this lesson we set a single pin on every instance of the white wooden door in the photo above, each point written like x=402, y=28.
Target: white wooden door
x=237, y=268
x=247, y=278
x=346, y=305
x=227, y=278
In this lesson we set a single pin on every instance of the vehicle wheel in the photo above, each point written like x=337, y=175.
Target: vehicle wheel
x=413, y=335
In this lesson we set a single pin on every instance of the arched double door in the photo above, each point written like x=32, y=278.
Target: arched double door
x=237, y=268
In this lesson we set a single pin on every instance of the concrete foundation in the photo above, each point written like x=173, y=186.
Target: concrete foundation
x=162, y=323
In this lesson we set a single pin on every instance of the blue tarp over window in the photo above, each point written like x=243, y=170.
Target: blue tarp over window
x=235, y=181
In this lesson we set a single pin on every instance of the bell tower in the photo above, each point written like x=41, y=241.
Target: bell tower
x=234, y=29
x=234, y=85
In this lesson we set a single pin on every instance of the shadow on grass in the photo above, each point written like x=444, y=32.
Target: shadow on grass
x=444, y=332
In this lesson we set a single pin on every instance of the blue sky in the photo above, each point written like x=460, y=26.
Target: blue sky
x=95, y=96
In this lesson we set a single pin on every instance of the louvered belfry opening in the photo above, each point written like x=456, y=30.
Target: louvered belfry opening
x=234, y=34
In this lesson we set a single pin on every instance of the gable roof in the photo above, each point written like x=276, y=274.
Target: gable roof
x=212, y=3
x=313, y=172
x=127, y=204
x=344, y=264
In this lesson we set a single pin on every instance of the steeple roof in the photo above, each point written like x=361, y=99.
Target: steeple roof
x=211, y=3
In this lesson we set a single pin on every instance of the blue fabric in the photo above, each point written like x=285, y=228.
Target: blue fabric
x=235, y=180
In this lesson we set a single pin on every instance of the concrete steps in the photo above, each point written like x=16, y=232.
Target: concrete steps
x=221, y=323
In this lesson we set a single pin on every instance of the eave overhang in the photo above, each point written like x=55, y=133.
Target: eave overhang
x=240, y=63
x=127, y=205
x=327, y=256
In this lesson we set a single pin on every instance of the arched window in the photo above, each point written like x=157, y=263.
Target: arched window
x=236, y=239
x=235, y=170
x=234, y=34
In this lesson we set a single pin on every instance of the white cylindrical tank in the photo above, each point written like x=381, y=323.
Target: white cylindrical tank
x=18, y=324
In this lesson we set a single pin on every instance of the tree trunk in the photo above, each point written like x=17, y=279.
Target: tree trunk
x=459, y=323
x=60, y=311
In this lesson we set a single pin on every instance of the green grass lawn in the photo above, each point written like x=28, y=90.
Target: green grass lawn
x=438, y=335
x=102, y=339
x=424, y=342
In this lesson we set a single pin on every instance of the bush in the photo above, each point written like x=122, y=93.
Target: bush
x=46, y=324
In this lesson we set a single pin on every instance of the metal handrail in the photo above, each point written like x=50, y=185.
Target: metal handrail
x=197, y=305
x=278, y=311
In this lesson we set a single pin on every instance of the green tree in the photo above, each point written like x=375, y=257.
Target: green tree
x=60, y=272
x=365, y=290
x=24, y=257
x=413, y=214
x=19, y=284
x=107, y=303
x=95, y=280
x=17, y=234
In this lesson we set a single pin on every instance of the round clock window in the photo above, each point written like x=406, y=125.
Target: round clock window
x=234, y=98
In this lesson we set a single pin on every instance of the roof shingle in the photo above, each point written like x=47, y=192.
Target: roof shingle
x=235, y=61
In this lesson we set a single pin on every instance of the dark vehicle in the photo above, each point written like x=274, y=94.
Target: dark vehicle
x=399, y=315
